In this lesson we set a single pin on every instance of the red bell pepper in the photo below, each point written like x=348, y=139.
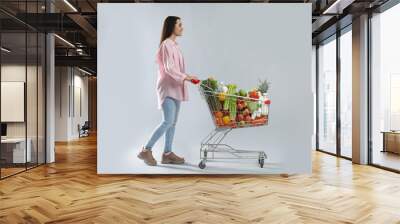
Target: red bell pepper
x=195, y=81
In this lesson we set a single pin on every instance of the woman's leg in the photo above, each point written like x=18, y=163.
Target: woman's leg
x=169, y=113
x=168, y=156
x=169, y=135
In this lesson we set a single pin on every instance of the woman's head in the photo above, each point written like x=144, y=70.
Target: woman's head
x=172, y=25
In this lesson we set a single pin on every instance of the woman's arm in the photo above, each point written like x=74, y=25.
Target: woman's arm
x=169, y=66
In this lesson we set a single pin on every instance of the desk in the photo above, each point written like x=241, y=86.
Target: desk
x=13, y=150
x=391, y=141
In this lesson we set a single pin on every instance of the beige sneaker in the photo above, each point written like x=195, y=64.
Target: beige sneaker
x=147, y=157
x=171, y=158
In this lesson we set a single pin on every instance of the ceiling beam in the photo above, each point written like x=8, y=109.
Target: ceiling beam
x=86, y=27
x=82, y=61
x=337, y=6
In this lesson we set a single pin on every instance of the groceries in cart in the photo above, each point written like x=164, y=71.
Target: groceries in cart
x=232, y=107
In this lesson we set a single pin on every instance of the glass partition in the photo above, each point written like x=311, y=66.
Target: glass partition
x=32, y=95
x=14, y=153
x=41, y=97
x=22, y=78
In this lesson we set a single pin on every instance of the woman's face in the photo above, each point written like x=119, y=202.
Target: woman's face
x=178, y=30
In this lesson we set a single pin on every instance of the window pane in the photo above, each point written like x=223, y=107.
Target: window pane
x=14, y=150
x=32, y=88
x=386, y=89
x=41, y=99
x=346, y=93
x=327, y=97
x=314, y=74
x=31, y=100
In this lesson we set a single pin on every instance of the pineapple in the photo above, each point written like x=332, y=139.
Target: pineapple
x=263, y=86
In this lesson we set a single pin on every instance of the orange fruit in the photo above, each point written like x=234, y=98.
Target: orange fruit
x=226, y=119
x=219, y=121
x=219, y=114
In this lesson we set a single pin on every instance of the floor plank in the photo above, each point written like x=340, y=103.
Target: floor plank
x=70, y=191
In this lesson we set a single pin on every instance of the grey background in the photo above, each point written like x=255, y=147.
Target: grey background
x=235, y=43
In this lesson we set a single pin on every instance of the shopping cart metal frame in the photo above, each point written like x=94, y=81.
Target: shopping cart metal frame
x=213, y=142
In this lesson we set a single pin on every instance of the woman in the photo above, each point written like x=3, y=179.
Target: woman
x=171, y=90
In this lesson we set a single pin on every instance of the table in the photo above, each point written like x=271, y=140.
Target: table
x=13, y=150
x=391, y=141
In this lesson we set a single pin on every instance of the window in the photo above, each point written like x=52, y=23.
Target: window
x=394, y=102
x=327, y=96
x=385, y=89
x=346, y=93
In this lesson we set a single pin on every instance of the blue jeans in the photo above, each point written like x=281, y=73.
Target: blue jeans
x=170, y=108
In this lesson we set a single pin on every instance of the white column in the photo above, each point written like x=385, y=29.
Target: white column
x=50, y=79
x=50, y=91
x=360, y=90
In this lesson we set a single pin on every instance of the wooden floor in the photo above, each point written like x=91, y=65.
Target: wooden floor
x=5, y=172
x=386, y=159
x=70, y=191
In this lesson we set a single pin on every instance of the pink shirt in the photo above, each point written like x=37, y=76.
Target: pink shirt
x=171, y=72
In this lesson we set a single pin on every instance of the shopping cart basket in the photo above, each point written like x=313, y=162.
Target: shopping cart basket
x=212, y=146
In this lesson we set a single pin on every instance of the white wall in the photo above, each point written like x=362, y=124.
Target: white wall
x=68, y=81
x=236, y=43
x=61, y=103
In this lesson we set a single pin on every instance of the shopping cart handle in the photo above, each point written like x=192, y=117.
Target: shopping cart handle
x=195, y=81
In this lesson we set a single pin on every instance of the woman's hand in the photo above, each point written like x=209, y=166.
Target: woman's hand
x=191, y=77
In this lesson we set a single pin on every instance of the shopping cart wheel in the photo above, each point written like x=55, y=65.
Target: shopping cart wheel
x=202, y=165
x=261, y=162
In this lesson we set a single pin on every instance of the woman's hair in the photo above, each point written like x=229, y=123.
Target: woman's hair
x=168, y=27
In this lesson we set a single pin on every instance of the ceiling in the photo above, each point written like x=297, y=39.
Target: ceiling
x=75, y=21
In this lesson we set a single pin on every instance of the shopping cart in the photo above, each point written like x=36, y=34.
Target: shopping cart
x=212, y=146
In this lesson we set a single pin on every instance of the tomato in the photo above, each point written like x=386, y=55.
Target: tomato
x=239, y=117
x=253, y=94
x=233, y=124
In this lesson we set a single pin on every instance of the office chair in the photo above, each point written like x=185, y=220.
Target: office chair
x=84, y=130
